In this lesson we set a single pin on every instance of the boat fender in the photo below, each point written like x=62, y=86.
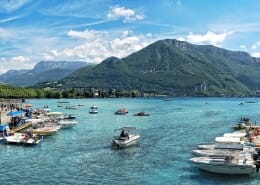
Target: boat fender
x=26, y=137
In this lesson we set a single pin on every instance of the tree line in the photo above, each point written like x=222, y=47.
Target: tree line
x=19, y=92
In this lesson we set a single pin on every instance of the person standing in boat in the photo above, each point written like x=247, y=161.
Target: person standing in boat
x=122, y=134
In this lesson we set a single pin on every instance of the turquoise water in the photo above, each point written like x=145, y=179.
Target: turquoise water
x=83, y=155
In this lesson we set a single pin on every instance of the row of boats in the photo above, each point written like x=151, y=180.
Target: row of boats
x=233, y=153
x=30, y=131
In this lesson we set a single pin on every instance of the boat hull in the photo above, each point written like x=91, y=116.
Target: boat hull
x=222, y=169
x=118, y=143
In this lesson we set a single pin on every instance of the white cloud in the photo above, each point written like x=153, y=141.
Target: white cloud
x=256, y=54
x=99, y=45
x=20, y=59
x=5, y=34
x=256, y=45
x=128, y=15
x=16, y=62
x=12, y=5
x=208, y=38
x=9, y=19
x=181, y=39
x=242, y=46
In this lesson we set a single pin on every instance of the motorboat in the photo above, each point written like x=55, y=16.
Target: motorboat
x=59, y=116
x=235, y=143
x=240, y=164
x=24, y=138
x=128, y=137
x=67, y=123
x=229, y=143
x=222, y=152
x=141, y=114
x=242, y=124
x=45, y=131
x=121, y=111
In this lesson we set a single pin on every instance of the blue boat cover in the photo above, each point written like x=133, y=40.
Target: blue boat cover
x=15, y=113
x=3, y=127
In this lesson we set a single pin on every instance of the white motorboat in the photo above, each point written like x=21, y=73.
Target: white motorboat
x=24, y=138
x=241, y=164
x=67, y=123
x=127, y=137
x=224, y=143
x=222, y=152
x=229, y=143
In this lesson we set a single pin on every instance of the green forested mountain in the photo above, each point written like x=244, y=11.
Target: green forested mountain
x=176, y=68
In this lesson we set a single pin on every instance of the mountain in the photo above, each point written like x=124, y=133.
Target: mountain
x=42, y=71
x=176, y=68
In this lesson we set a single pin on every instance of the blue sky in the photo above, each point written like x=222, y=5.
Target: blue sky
x=92, y=30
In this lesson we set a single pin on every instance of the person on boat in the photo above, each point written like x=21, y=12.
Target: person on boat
x=122, y=133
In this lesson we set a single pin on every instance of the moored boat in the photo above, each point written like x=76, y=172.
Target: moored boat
x=226, y=165
x=24, y=138
x=67, y=123
x=215, y=152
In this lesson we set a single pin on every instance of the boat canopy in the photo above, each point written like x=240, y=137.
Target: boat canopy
x=125, y=129
x=3, y=127
x=15, y=113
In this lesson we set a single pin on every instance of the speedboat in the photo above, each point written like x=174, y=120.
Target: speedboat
x=241, y=164
x=121, y=111
x=141, y=114
x=127, y=137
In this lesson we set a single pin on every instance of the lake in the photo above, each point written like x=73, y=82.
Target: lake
x=83, y=155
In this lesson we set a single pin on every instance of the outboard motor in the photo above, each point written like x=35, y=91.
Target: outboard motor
x=257, y=165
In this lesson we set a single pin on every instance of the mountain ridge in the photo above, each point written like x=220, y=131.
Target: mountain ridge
x=177, y=68
x=42, y=71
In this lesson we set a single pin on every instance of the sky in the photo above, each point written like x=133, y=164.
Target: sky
x=93, y=30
